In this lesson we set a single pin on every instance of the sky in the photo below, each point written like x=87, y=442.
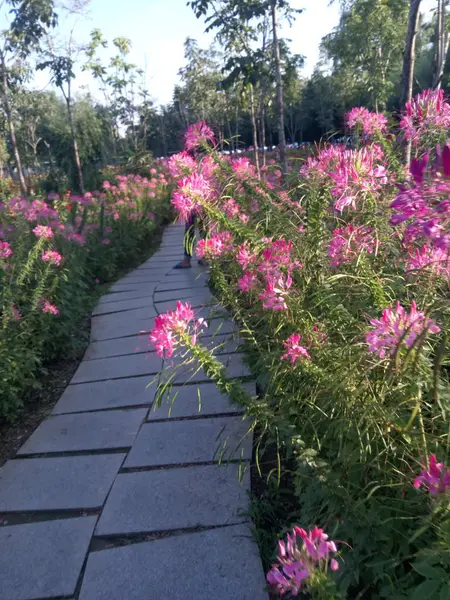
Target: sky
x=158, y=28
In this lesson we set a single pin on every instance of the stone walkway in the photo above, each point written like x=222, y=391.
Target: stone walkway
x=110, y=499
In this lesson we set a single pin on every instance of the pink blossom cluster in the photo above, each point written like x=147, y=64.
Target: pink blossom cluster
x=397, y=326
x=5, y=249
x=52, y=257
x=435, y=478
x=294, y=351
x=369, y=123
x=355, y=174
x=271, y=269
x=215, y=246
x=49, y=308
x=430, y=260
x=198, y=135
x=324, y=160
x=243, y=168
x=192, y=191
x=43, y=231
x=299, y=556
x=427, y=113
x=424, y=204
x=349, y=242
x=181, y=165
x=165, y=335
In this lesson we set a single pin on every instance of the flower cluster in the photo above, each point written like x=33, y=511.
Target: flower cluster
x=430, y=260
x=294, y=350
x=49, y=308
x=370, y=123
x=299, y=557
x=215, y=246
x=436, y=478
x=198, y=135
x=357, y=173
x=169, y=326
x=427, y=113
x=43, y=231
x=191, y=192
x=5, y=249
x=181, y=165
x=397, y=326
x=349, y=242
x=52, y=257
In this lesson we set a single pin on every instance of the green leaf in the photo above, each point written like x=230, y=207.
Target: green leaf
x=445, y=592
x=428, y=571
x=426, y=590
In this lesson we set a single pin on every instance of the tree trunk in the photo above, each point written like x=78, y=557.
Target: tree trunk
x=279, y=86
x=76, y=154
x=440, y=46
x=254, y=129
x=409, y=55
x=263, y=131
x=12, y=131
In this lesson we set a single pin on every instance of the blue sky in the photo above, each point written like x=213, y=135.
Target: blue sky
x=158, y=28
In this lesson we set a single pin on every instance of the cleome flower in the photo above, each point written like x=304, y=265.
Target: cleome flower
x=299, y=556
x=170, y=326
x=395, y=327
x=198, y=135
x=294, y=350
x=436, y=479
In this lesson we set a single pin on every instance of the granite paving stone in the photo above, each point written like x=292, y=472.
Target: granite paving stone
x=177, y=498
x=195, y=441
x=185, y=295
x=129, y=295
x=167, y=285
x=100, y=395
x=43, y=560
x=220, y=564
x=193, y=400
x=69, y=482
x=85, y=431
x=106, y=308
x=108, y=327
x=118, y=347
x=235, y=367
x=117, y=367
x=127, y=286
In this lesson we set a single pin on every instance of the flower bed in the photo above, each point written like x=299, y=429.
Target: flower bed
x=53, y=254
x=340, y=283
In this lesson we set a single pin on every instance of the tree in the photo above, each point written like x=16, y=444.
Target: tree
x=441, y=42
x=409, y=55
x=30, y=21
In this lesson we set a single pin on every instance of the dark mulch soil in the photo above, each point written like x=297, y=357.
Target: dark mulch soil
x=38, y=406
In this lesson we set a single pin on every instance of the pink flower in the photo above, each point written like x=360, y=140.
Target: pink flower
x=369, y=122
x=397, y=326
x=294, y=350
x=431, y=260
x=106, y=242
x=349, y=242
x=52, y=257
x=191, y=192
x=436, y=479
x=298, y=557
x=16, y=314
x=243, y=168
x=245, y=256
x=427, y=113
x=215, y=246
x=181, y=164
x=43, y=231
x=49, y=308
x=249, y=281
x=275, y=292
x=5, y=249
x=198, y=135
x=169, y=326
